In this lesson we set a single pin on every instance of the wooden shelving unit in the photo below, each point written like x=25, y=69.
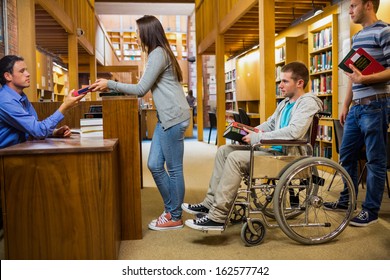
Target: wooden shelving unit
x=230, y=86
x=127, y=49
x=44, y=77
x=178, y=43
x=130, y=48
x=323, y=60
x=60, y=82
x=125, y=45
x=285, y=52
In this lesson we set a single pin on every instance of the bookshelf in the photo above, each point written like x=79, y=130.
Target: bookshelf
x=127, y=49
x=44, y=77
x=60, y=82
x=285, y=52
x=230, y=86
x=178, y=43
x=125, y=45
x=115, y=38
x=130, y=48
x=323, y=60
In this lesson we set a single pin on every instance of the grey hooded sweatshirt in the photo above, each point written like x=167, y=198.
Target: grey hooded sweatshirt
x=301, y=118
x=168, y=95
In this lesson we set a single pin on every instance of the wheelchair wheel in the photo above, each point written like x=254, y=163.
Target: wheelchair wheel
x=305, y=186
x=262, y=196
x=250, y=238
x=238, y=213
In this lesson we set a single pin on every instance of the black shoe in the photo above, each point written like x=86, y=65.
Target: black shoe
x=204, y=224
x=335, y=206
x=363, y=219
x=195, y=208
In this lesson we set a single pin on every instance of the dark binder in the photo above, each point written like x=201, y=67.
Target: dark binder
x=235, y=131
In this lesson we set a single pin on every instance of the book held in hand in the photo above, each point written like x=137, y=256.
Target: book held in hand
x=235, y=131
x=361, y=60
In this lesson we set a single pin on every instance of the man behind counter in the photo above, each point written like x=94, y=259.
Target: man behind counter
x=18, y=118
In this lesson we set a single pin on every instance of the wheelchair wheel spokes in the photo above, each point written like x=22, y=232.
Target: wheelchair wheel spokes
x=305, y=186
x=253, y=232
x=261, y=198
x=238, y=213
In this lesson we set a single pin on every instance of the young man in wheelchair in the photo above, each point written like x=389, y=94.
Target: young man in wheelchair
x=290, y=121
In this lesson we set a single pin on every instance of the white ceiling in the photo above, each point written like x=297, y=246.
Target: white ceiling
x=104, y=8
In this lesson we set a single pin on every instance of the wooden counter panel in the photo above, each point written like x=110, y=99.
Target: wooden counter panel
x=121, y=120
x=71, y=212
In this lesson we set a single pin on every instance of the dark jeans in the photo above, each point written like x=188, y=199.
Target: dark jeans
x=367, y=125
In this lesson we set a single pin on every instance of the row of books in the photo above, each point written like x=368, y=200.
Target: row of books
x=322, y=39
x=322, y=84
x=321, y=62
x=278, y=92
x=231, y=75
x=229, y=96
x=322, y=151
x=230, y=85
x=229, y=106
x=324, y=132
x=131, y=52
x=280, y=54
x=327, y=102
x=278, y=69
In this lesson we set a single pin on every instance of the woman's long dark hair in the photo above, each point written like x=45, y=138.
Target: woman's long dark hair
x=152, y=35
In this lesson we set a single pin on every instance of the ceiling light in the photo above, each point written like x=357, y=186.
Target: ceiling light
x=312, y=13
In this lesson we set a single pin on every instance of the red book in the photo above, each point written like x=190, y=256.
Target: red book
x=235, y=131
x=361, y=60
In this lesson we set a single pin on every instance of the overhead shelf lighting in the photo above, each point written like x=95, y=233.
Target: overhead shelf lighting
x=312, y=13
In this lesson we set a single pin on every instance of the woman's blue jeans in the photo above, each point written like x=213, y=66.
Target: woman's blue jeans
x=367, y=125
x=165, y=162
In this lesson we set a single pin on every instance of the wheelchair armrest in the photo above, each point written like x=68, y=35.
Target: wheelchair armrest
x=283, y=142
x=280, y=142
x=265, y=142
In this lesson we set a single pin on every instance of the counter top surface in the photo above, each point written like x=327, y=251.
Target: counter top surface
x=74, y=144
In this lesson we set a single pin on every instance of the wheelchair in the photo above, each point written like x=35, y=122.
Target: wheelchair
x=289, y=192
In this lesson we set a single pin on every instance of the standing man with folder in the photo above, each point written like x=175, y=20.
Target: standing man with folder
x=366, y=121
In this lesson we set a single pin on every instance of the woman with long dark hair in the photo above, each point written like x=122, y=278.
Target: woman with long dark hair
x=162, y=76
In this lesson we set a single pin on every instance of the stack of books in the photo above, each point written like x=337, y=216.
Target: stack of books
x=95, y=111
x=91, y=128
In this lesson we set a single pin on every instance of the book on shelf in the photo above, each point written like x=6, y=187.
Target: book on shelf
x=361, y=60
x=235, y=131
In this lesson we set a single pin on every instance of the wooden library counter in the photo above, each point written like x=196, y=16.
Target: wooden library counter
x=61, y=199
x=121, y=121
